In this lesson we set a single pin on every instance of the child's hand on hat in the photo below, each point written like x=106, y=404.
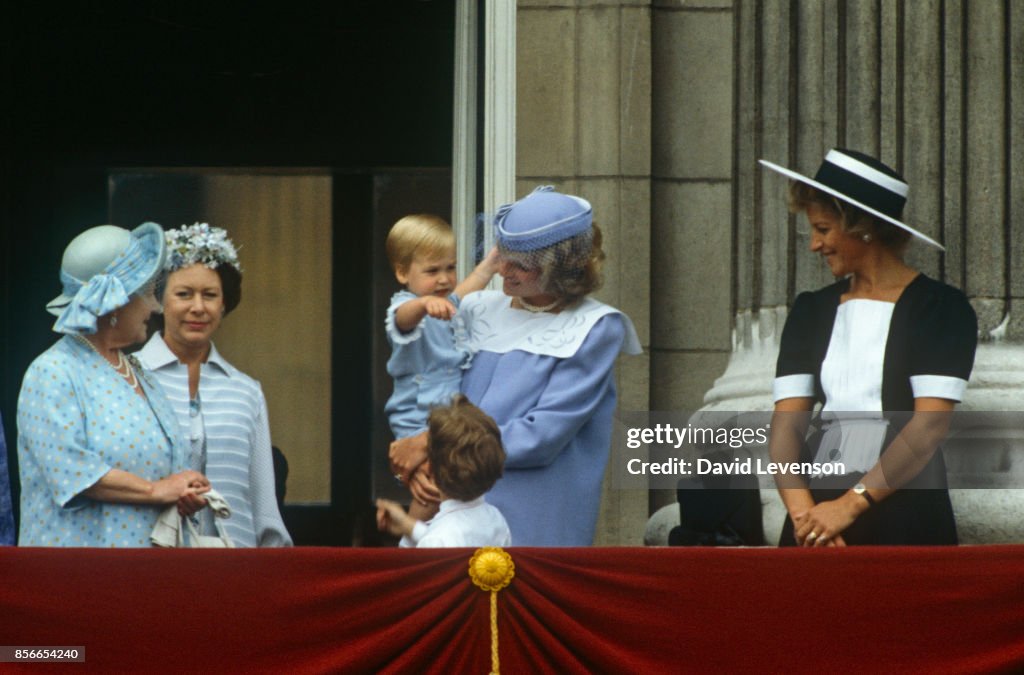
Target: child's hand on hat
x=489, y=265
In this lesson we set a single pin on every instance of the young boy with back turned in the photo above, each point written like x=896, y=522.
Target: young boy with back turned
x=466, y=458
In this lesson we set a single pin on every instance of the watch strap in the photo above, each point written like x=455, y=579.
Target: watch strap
x=860, y=489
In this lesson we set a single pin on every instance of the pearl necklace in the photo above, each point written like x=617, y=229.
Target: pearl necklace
x=123, y=367
x=538, y=309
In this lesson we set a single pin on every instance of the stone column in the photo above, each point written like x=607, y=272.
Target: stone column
x=693, y=239
x=935, y=89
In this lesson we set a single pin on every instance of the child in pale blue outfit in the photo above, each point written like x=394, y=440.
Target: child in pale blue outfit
x=426, y=361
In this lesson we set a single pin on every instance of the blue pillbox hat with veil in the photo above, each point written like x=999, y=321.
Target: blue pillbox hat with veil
x=541, y=219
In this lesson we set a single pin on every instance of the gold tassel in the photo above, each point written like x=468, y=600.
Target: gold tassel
x=491, y=569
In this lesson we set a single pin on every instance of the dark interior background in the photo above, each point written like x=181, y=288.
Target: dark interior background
x=360, y=87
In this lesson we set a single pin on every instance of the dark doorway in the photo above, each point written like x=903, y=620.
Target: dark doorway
x=355, y=89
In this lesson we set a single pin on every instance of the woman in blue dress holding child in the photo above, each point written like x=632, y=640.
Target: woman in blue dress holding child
x=542, y=367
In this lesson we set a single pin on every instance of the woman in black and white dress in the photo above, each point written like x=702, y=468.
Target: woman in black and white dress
x=886, y=350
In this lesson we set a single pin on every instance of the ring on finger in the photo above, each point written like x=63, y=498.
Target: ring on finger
x=812, y=536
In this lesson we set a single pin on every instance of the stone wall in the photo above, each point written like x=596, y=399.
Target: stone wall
x=691, y=202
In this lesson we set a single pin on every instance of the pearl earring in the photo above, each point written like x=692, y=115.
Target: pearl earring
x=113, y=320
x=866, y=238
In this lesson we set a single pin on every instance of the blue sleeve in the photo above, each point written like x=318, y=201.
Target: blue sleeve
x=266, y=517
x=6, y=507
x=576, y=387
x=51, y=426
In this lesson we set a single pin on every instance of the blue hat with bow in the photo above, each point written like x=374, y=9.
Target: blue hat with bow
x=101, y=269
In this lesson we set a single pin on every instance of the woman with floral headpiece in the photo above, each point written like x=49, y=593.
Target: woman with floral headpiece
x=543, y=358
x=99, y=450
x=221, y=410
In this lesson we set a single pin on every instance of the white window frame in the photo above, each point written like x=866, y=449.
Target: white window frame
x=499, y=132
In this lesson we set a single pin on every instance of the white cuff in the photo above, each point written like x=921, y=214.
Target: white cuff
x=938, y=386
x=793, y=386
x=419, y=530
x=395, y=333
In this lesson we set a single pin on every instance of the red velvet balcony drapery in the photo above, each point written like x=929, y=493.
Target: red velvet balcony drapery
x=621, y=610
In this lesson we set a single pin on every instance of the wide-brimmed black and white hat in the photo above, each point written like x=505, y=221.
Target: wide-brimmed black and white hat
x=862, y=181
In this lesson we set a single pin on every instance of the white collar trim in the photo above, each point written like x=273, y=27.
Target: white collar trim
x=488, y=322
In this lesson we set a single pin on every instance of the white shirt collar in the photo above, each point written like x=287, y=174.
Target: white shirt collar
x=450, y=505
x=156, y=355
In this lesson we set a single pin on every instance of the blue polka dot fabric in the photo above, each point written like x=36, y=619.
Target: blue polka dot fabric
x=77, y=420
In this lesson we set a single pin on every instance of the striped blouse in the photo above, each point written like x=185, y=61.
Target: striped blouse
x=237, y=438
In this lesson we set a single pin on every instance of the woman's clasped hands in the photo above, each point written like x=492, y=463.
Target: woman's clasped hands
x=186, y=488
x=822, y=524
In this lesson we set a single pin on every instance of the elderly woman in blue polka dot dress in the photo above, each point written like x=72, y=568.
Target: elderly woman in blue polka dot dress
x=99, y=450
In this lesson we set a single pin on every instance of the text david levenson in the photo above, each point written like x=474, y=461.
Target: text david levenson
x=740, y=467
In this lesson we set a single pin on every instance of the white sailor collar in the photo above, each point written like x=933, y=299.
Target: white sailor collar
x=488, y=322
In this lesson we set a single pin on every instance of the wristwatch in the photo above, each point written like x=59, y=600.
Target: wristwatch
x=859, y=489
